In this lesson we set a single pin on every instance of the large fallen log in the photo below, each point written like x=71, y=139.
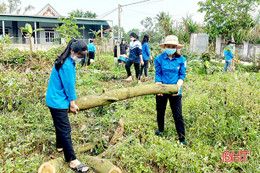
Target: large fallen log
x=108, y=97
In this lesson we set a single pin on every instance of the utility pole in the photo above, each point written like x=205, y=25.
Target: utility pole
x=119, y=22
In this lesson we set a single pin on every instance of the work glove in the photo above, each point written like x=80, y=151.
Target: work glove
x=180, y=82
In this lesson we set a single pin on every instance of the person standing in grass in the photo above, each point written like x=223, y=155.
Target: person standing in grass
x=146, y=55
x=61, y=96
x=135, y=57
x=228, y=52
x=123, y=47
x=170, y=68
x=91, y=50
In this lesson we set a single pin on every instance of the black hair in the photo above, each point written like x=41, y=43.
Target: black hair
x=176, y=54
x=78, y=46
x=230, y=42
x=134, y=35
x=145, y=39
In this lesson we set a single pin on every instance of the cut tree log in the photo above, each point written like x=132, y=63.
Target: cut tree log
x=102, y=165
x=98, y=164
x=118, y=132
x=52, y=166
x=108, y=97
x=85, y=147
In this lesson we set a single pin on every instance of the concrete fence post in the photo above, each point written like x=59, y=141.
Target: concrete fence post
x=218, y=46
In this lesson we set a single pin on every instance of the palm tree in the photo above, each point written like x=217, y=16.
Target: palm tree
x=164, y=22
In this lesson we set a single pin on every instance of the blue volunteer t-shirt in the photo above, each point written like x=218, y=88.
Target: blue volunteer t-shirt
x=146, y=51
x=169, y=71
x=61, y=88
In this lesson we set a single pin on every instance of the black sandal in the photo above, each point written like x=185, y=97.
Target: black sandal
x=79, y=168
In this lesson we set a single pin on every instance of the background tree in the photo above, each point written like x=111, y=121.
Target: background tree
x=29, y=32
x=225, y=17
x=83, y=14
x=69, y=29
x=164, y=23
x=149, y=28
x=135, y=30
x=14, y=7
x=252, y=34
x=148, y=23
x=122, y=30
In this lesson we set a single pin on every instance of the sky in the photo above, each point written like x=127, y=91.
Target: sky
x=131, y=15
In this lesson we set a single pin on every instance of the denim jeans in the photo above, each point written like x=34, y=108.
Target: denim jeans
x=227, y=65
x=63, y=132
x=176, y=107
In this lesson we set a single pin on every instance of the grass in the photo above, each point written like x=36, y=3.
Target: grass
x=220, y=113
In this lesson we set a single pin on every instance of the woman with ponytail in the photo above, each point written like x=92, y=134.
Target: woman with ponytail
x=61, y=96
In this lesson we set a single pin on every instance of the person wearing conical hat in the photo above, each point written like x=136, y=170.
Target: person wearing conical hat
x=170, y=68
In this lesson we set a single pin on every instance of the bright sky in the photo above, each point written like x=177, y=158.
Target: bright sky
x=131, y=15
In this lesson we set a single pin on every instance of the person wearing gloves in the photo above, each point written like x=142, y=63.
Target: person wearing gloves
x=91, y=50
x=146, y=55
x=135, y=57
x=170, y=68
x=228, y=52
x=61, y=96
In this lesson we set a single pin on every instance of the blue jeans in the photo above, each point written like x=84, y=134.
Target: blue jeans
x=227, y=65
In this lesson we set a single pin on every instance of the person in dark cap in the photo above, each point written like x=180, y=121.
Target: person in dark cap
x=135, y=57
x=61, y=96
x=229, y=55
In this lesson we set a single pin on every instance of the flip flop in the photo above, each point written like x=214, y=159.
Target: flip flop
x=79, y=168
x=59, y=149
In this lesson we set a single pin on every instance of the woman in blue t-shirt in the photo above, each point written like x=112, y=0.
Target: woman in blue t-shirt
x=61, y=96
x=146, y=55
x=170, y=68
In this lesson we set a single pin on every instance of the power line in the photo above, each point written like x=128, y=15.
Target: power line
x=150, y=2
x=111, y=11
x=107, y=13
x=135, y=3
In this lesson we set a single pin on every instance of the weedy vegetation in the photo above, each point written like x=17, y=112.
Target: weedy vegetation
x=220, y=113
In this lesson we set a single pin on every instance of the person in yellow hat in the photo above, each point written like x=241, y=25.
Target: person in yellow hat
x=170, y=68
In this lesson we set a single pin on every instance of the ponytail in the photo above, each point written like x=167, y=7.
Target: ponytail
x=64, y=55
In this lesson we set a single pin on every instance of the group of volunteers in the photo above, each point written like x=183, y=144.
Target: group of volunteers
x=170, y=67
x=138, y=54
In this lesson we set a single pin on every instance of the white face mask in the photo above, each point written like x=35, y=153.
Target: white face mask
x=76, y=59
x=132, y=39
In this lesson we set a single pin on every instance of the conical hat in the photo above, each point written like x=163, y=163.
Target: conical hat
x=173, y=40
